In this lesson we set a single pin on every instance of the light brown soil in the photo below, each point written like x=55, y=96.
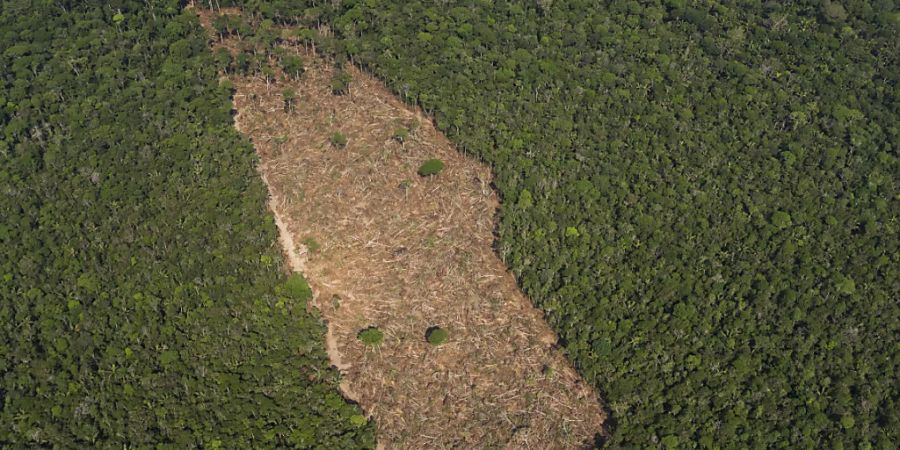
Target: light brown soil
x=405, y=253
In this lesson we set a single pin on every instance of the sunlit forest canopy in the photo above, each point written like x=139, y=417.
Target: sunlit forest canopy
x=701, y=196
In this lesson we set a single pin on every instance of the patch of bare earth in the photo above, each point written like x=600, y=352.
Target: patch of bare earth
x=405, y=253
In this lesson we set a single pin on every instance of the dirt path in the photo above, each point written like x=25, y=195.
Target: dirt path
x=405, y=253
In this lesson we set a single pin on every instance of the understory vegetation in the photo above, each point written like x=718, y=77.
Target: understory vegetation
x=701, y=195
x=142, y=299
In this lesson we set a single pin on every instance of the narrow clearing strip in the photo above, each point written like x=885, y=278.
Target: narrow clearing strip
x=296, y=257
x=405, y=253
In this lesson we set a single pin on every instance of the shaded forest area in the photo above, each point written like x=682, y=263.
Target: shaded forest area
x=142, y=301
x=701, y=195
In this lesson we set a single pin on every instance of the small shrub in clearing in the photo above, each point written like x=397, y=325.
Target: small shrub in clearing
x=437, y=336
x=431, y=167
x=371, y=336
x=338, y=139
x=312, y=245
x=401, y=134
x=289, y=96
x=340, y=83
x=292, y=66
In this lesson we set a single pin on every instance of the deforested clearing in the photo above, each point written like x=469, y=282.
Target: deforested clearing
x=406, y=253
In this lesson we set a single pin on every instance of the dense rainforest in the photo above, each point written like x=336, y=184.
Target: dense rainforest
x=142, y=299
x=701, y=195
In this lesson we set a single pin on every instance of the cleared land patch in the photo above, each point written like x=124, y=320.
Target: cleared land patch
x=408, y=254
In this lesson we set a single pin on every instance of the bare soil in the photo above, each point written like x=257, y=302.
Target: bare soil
x=405, y=253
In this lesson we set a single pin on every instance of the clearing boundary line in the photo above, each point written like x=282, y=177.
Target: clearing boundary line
x=391, y=249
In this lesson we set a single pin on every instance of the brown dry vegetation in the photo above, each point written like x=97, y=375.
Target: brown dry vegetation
x=405, y=253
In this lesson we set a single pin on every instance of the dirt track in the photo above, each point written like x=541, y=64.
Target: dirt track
x=404, y=253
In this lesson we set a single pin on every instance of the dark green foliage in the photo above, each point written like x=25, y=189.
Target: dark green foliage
x=731, y=171
x=231, y=25
x=401, y=134
x=141, y=297
x=289, y=97
x=338, y=139
x=268, y=74
x=834, y=11
x=436, y=336
x=223, y=60
x=431, y=167
x=371, y=336
x=292, y=66
x=340, y=83
x=296, y=288
x=312, y=245
x=243, y=63
x=781, y=219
